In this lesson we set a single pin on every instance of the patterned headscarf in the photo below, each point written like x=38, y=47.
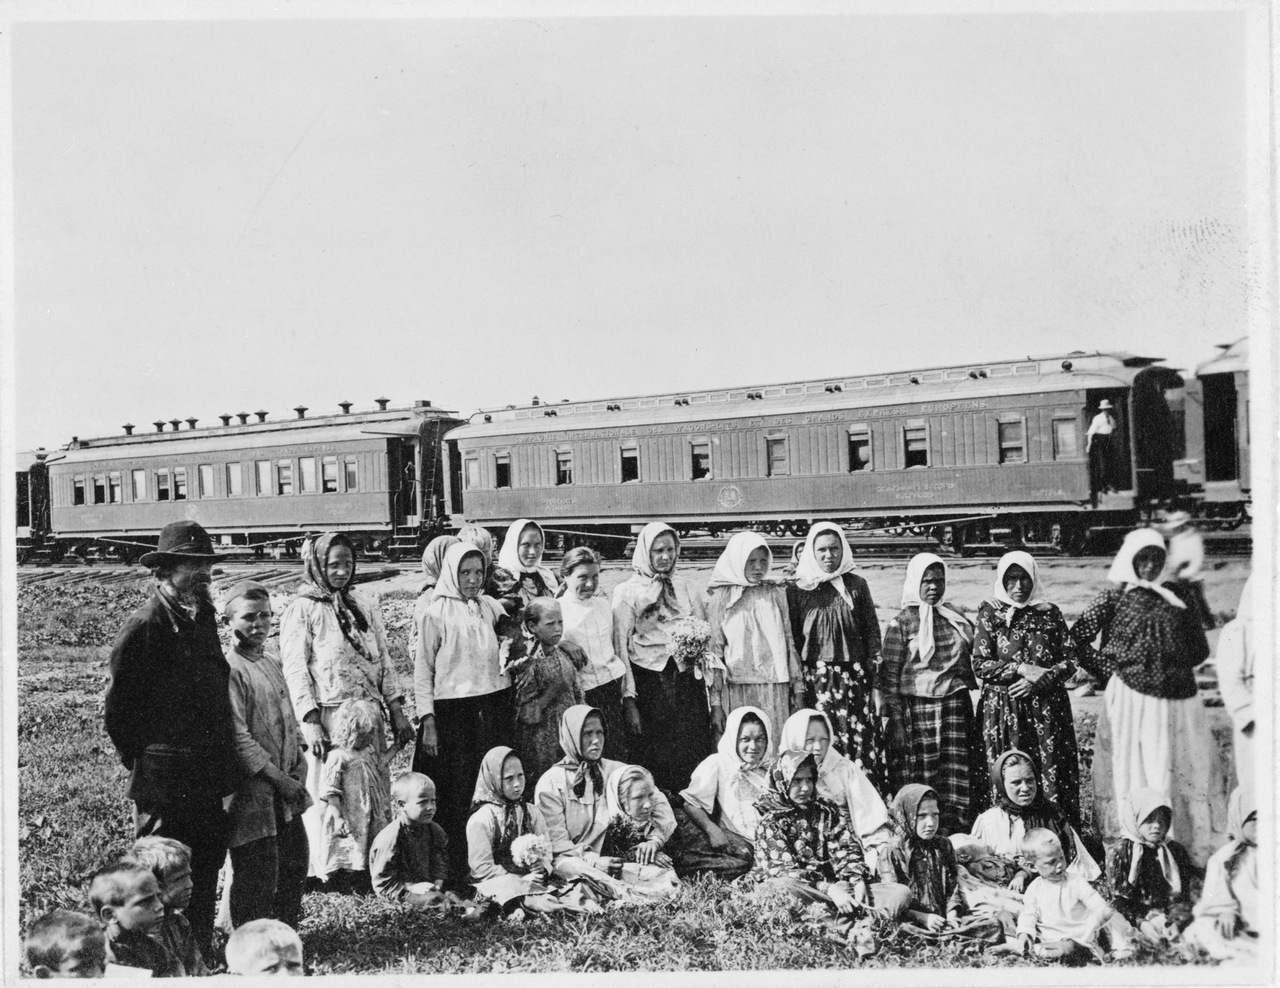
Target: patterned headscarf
x=1040, y=812
x=509, y=555
x=904, y=810
x=1026, y=562
x=316, y=586
x=571, y=724
x=911, y=598
x=1123, y=572
x=1134, y=812
x=489, y=790
x=778, y=796
x=433, y=559
x=810, y=575
x=727, y=752
x=661, y=589
x=731, y=567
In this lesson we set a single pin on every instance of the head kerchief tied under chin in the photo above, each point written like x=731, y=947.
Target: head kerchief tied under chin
x=571, y=725
x=1140, y=805
x=911, y=598
x=489, y=790
x=433, y=559
x=1122, y=569
x=450, y=585
x=727, y=751
x=809, y=574
x=316, y=585
x=731, y=567
x=1026, y=562
x=509, y=554
x=661, y=590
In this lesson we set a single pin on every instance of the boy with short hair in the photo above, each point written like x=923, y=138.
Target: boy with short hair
x=126, y=897
x=66, y=944
x=267, y=839
x=1062, y=914
x=170, y=861
x=263, y=947
x=409, y=859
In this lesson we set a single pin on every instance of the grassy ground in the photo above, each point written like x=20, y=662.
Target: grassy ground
x=73, y=817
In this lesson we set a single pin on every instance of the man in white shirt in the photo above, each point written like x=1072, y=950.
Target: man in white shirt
x=1100, y=445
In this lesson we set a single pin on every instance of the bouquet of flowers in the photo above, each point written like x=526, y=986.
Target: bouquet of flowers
x=690, y=638
x=621, y=837
x=531, y=852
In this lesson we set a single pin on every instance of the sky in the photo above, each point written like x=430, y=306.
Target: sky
x=219, y=215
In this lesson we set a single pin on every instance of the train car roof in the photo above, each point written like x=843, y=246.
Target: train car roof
x=407, y=422
x=1234, y=358
x=963, y=382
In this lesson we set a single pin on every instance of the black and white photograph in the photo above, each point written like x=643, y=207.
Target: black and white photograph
x=734, y=491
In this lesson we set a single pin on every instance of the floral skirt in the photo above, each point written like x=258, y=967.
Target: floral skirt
x=846, y=699
x=1041, y=725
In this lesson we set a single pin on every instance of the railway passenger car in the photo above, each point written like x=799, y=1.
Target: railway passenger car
x=1215, y=456
x=981, y=452
x=254, y=485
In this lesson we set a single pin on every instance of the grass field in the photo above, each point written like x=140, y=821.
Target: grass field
x=73, y=817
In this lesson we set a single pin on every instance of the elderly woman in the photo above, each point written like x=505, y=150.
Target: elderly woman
x=1023, y=653
x=1151, y=642
x=333, y=648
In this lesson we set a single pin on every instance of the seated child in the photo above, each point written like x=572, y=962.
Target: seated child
x=264, y=947
x=840, y=780
x=720, y=802
x=1150, y=875
x=1062, y=914
x=984, y=879
x=355, y=790
x=170, y=861
x=546, y=681
x=1228, y=915
x=64, y=944
x=126, y=897
x=805, y=846
x=632, y=843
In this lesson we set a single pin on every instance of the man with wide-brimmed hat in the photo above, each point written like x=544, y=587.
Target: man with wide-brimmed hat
x=168, y=712
x=1100, y=445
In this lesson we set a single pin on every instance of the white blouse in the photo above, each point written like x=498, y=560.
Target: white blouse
x=589, y=625
x=717, y=780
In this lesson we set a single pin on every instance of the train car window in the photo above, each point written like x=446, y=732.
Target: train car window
x=1013, y=443
x=284, y=477
x=329, y=475
x=179, y=483
x=99, y=490
x=915, y=446
x=859, y=448
x=204, y=479
x=473, y=473
x=115, y=489
x=778, y=461
x=77, y=490
x=138, y=486
x=235, y=480
x=700, y=461
x=162, y=485
x=1066, y=443
x=630, y=467
x=353, y=475
x=564, y=469
x=502, y=470
x=262, y=477
x=307, y=475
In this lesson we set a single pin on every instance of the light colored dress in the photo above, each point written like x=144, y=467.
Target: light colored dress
x=358, y=778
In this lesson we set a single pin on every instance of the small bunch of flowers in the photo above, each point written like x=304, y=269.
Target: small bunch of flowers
x=621, y=837
x=531, y=852
x=690, y=639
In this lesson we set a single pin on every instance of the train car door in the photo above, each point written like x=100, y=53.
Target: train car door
x=1110, y=464
x=1221, y=428
x=402, y=479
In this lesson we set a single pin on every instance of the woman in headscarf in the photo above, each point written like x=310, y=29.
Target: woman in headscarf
x=572, y=798
x=1233, y=660
x=834, y=626
x=631, y=797
x=432, y=560
x=1152, y=717
x=671, y=697
x=840, y=780
x=1150, y=874
x=925, y=679
x=717, y=834
x=1228, y=917
x=333, y=647
x=1021, y=807
x=1024, y=655
x=521, y=556
x=464, y=698
x=751, y=633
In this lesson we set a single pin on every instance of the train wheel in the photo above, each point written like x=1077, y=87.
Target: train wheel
x=951, y=537
x=1070, y=538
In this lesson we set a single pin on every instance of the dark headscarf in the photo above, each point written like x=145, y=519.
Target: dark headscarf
x=904, y=809
x=1041, y=812
x=571, y=724
x=315, y=586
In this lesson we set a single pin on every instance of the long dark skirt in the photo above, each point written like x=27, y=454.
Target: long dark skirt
x=466, y=728
x=608, y=700
x=676, y=725
x=936, y=742
x=692, y=854
x=1043, y=727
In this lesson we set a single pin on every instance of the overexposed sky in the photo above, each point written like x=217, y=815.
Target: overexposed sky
x=223, y=215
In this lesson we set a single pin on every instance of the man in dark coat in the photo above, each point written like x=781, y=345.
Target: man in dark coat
x=168, y=712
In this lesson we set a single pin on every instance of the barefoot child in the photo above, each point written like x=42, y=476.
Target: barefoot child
x=126, y=897
x=66, y=944
x=264, y=947
x=356, y=793
x=170, y=861
x=1150, y=874
x=546, y=682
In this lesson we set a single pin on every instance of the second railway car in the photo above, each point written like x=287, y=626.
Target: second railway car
x=1215, y=454
x=254, y=485
x=969, y=453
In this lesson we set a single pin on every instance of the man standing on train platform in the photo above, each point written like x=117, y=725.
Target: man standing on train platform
x=168, y=712
x=1100, y=445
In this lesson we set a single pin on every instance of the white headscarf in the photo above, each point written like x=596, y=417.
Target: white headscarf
x=727, y=752
x=509, y=554
x=1140, y=805
x=661, y=588
x=1028, y=565
x=1122, y=570
x=911, y=598
x=477, y=607
x=731, y=567
x=809, y=574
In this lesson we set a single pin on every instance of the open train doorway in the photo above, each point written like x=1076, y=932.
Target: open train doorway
x=1107, y=443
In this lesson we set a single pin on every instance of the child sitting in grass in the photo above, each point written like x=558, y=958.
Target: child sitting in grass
x=1228, y=916
x=1150, y=874
x=170, y=861
x=126, y=897
x=634, y=838
x=924, y=862
x=355, y=788
x=66, y=944
x=264, y=947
